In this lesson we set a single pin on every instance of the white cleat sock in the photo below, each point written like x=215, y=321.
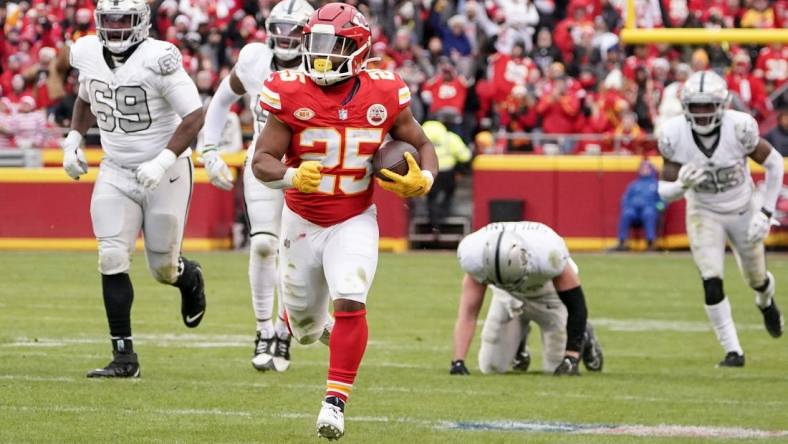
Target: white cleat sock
x=722, y=321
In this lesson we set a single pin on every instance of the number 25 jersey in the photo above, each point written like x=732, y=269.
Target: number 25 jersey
x=138, y=105
x=727, y=186
x=341, y=134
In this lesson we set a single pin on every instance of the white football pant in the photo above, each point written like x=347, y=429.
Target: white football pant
x=120, y=207
x=320, y=264
x=507, y=324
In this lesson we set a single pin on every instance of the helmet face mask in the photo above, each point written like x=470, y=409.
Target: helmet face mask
x=285, y=26
x=704, y=99
x=328, y=57
x=121, y=25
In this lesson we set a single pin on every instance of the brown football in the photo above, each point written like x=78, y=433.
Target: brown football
x=391, y=156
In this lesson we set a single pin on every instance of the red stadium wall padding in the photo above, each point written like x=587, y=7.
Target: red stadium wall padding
x=579, y=197
x=42, y=208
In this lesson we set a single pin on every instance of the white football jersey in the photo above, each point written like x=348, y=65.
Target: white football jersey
x=728, y=186
x=548, y=255
x=254, y=65
x=138, y=105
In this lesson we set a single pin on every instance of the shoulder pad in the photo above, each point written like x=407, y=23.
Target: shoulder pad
x=666, y=143
x=746, y=129
x=162, y=57
x=252, y=52
x=83, y=47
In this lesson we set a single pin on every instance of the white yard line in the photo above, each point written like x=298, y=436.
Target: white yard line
x=661, y=430
x=460, y=392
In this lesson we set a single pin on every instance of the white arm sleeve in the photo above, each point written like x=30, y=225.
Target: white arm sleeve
x=774, y=179
x=670, y=191
x=283, y=183
x=181, y=93
x=216, y=116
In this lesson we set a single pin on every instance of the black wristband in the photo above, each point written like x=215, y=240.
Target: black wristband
x=766, y=212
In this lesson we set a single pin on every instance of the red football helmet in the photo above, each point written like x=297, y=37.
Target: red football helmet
x=336, y=43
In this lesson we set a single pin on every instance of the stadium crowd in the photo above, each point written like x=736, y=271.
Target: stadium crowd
x=484, y=68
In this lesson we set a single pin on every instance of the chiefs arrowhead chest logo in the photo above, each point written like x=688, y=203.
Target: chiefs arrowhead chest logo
x=376, y=114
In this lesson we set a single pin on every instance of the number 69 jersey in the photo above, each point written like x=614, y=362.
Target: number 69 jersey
x=343, y=137
x=138, y=105
x=728, y=186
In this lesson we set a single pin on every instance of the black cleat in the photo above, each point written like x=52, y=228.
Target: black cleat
x=458, y=368
x=732, y=359
x=192, y=294
x=123, y=365
x=773, y=320
x=568, y=366
x=592, y=356
x=281, y=359
x=522, y=359
x=263, y=352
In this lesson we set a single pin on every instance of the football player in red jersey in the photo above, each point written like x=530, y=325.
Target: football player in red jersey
x=328, y=122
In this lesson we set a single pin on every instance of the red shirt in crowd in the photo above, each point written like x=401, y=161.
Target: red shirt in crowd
x=508, y=71
x=447, y=93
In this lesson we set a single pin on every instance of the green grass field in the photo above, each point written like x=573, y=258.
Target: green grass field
x=198, y=385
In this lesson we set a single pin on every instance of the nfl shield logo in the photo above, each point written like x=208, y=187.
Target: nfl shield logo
x=342, y=114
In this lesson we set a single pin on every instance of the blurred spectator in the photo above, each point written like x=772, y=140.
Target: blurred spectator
x=451, y=151
x=12, y=67
x=517, y=114
x=670, y=103
x=452, y=33
x=545, y=53
x=558, y=108
x=778, y=136
x=509, y=70
x=700, y=60
x=772, y=66
x=759, y=15
x=628, y=137
x=748, y=87
x=6, y=120
x=446, y=91
x=640, y=206
x=30, y=126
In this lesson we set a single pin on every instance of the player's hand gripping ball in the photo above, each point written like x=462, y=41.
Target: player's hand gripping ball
x=397, y=170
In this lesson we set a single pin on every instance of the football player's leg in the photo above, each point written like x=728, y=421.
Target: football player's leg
x=501, y=334
x=751, y=258
x=117, y=220
x=302, y=281
x=165, y=216
x=263, y=207
x=706, y=234
x=350, y=259
x=550, y=314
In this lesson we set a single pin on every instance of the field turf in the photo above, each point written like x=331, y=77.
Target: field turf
x=659, y=383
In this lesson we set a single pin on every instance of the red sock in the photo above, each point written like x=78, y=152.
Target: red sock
x=346, y=348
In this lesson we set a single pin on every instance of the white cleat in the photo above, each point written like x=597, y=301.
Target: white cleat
x=330, y=422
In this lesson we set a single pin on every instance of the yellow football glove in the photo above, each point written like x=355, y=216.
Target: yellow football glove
x=307, y=176
x=414, y=184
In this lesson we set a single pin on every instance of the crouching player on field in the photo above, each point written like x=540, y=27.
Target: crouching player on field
x=532, y=278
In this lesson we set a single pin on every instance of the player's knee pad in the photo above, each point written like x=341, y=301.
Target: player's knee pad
x=306, y=329
x=113, y=260
x=161, y=233
x=712, y=288
x=163, y=267
x=263, y=244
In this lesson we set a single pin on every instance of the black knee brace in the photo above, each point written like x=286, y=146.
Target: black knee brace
x=763, y=287
x=713, y=289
